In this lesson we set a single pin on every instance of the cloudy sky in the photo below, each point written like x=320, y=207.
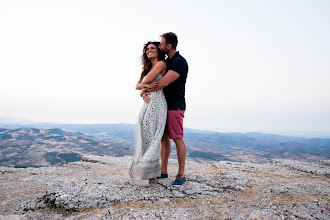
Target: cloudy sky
x=255, y=65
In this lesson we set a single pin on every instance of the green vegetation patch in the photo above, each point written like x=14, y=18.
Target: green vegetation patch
x=70, y=157
x=55, y=158
x=207, y=155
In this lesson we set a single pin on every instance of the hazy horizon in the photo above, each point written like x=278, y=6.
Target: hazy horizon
x=254, y=66
x=25, y=122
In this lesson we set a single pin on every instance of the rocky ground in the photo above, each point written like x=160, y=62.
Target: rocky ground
x=100, y=188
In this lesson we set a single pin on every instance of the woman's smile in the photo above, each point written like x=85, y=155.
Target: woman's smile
x=152, y=51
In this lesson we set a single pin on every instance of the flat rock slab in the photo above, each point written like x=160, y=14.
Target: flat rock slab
x=100, y=188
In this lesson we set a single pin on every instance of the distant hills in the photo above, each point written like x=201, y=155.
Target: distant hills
x=34, y=147
x=259, y=147
x=46, y=144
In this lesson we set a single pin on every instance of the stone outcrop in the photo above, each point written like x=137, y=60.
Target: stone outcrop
x=99, y=188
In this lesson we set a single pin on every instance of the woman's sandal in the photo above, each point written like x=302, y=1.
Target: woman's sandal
x=153, y=181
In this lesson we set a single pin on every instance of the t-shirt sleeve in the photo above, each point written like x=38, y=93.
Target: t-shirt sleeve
x=178, y=66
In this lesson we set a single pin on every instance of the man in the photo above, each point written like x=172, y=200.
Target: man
x=174, y=90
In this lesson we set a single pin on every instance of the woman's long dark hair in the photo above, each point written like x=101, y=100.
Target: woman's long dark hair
x=146, y=62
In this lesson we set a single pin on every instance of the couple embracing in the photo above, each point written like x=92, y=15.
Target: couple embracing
x=162, y=85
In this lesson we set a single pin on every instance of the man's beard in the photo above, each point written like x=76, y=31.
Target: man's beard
x=165, y=51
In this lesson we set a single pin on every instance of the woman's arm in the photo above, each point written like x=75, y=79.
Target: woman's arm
x=140, y=85
x=159, y=67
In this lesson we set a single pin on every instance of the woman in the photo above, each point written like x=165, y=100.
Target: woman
x=152, y=119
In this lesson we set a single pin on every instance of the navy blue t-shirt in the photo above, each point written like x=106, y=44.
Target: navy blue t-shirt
x=175, y=91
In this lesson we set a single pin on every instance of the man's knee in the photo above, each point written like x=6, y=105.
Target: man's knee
x=178, y=140
x=165, y=141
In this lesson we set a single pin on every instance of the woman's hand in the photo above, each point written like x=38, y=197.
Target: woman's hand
x=151, y=85
x=144, y=94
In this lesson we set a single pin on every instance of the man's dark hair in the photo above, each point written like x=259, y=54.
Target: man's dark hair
x=170, y=38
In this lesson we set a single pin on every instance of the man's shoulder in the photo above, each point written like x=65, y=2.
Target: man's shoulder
x=180, y=58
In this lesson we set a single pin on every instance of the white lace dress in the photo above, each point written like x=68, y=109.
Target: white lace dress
x=151, y=125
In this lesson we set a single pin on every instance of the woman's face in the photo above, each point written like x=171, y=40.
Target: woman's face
x=152, y=51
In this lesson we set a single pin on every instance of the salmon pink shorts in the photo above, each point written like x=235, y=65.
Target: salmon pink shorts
x=174, y=124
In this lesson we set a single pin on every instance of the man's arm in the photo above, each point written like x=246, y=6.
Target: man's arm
x=169, y=77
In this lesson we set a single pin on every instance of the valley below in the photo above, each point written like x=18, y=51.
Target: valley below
x=38, y=145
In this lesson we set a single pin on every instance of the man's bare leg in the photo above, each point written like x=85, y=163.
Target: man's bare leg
x=165, y=150
x=181, y=152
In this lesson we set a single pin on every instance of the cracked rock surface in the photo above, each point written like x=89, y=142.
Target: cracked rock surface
x=100, y=188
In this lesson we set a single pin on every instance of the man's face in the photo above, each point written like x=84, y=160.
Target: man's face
x=163, y=46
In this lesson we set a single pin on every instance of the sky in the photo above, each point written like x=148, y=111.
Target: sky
x=254, y=65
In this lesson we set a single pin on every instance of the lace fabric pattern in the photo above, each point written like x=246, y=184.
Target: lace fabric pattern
x=151, y=125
